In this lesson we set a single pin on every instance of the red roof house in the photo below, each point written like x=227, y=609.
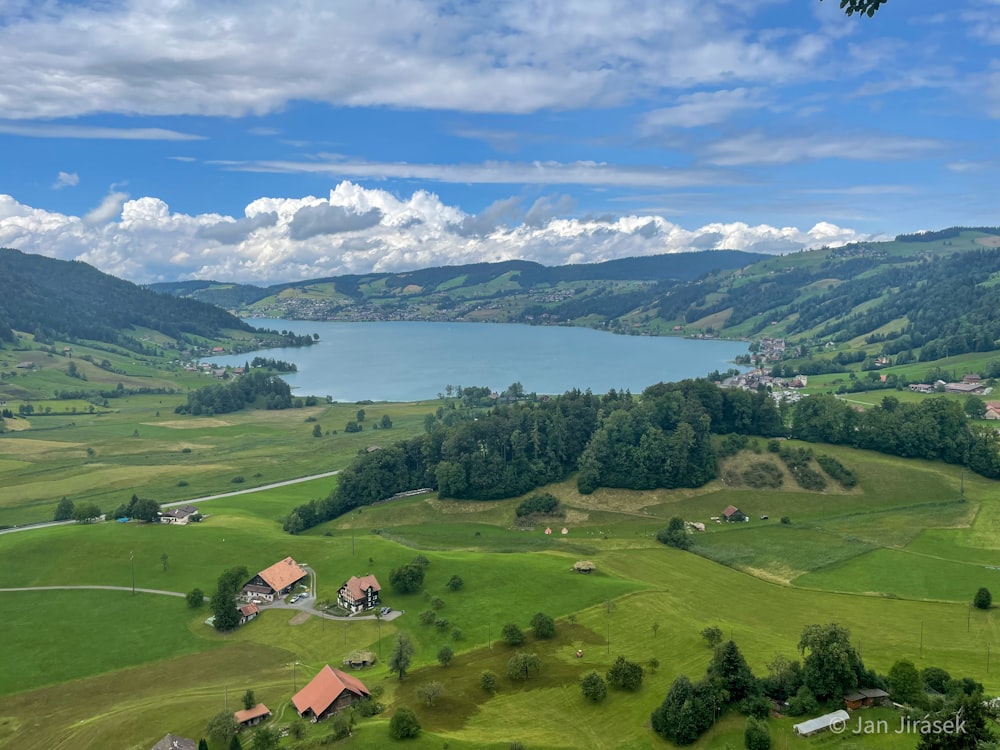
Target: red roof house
x=359, y=594
x=732, y=513
x=274, y=581
x=328, y=692
x=252, y=716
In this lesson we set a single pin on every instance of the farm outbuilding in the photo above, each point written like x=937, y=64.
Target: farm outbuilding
x=865, y=698
x=821, y=723
x=328, y=692
x=732, y=513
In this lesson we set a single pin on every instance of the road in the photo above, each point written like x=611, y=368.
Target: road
x=205, y=499
x=302, y=605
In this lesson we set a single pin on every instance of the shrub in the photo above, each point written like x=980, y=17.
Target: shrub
x=786, y=520
x=543, y=625
x=542, y=503
x=455, y=583
x=762, y=475
x=624, y=674
x=983, y=599
x=445, y=655
x=404, y=725
x=840, y=473
x=427, y=617
x=488, y=681
x=756, y=735
x=238, y=479
x=195, y=598
x=593, y=687
x=512, y=634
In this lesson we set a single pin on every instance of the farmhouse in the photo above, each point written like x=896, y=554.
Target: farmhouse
x=865, y=698
x=274, y=581
x=821, y=723
x=178, y=516
x=252, y=716
x=328, y=692
x=359, y=594
x=732, y=513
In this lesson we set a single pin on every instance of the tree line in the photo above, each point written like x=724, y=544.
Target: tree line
x=255, y=387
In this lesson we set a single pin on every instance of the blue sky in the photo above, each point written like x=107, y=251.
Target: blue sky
x=264, y=142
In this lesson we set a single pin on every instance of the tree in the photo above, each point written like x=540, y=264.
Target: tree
x=86, y=513
x=488, y=681
x=686, y=711
x=249, y=700
x=430, y=692
x=222, y=727
x=164, y=558
x=712, y=635
x=202, y=744
x=455, y=583
x=361, y=415
x=266, y=738
x=512, y=634
x=404, y=724
x=593, y=687
x=445, y=655
x=408, y=578
x=756, y=735
x=983, y=598
x=235, y=744
x=831, y=666
x=195, y=598
x=975, y=408
x=223, y=603
x=64, y=511
x=730, y=670
x=965, y=726
x=862, y=7
x=624, y=674
x=655, y=626
x=905, y=683
x=317, y=430
x=402, y=653
x=521, y=665
x=675, y=535
x=385, y=423
x=543, y=626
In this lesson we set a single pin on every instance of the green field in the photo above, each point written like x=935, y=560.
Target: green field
x=896, y=559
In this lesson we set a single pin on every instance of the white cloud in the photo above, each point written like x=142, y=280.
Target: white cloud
x=498, y=172
x=144, y=241
x=110, y=208
x=198, y=57
x=759, y=149
x=66, y=179
x=96, y=133
x=702, y=108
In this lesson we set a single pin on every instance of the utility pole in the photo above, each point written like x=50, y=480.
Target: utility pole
x=921, y=639
x=131, y=557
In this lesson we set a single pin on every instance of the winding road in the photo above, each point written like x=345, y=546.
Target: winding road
x=205, y=499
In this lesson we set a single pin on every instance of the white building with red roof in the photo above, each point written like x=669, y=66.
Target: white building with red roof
x=359, y=594
x=328, y=692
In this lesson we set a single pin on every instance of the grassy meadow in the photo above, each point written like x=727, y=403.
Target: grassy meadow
x=896, y=559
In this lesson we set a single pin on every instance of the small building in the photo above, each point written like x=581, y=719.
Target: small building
x=921, y=387
x=175, y=742
x=865, y=698
x=248, y=612
x=822, y=723
x=179, y=516
x=359, y=594
x=360, y=659
x=733, y=514
x=252, y=716
x=328, y=692
x=275, y=581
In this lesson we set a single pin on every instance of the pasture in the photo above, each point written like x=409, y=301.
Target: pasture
x=895, y=559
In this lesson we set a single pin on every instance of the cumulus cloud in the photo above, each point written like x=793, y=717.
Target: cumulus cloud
x=230, y=232
x=359, y=230
x=310, y=221
x=110, y=208
x=66, y=179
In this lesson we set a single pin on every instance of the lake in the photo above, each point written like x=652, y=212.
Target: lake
x=415, y=361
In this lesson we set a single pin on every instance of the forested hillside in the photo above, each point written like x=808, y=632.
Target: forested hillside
x=72, y=301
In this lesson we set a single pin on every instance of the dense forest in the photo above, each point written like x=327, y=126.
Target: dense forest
x=253, y=388
x=662, y=438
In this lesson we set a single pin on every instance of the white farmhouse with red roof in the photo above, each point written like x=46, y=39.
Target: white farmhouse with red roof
x=359, y=594
x=275, y=581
